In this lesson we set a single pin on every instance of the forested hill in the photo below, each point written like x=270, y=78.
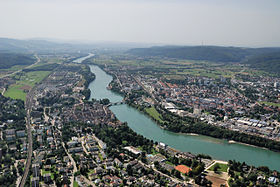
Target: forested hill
x=8, y=60
x=208, y=53
x=268, y=62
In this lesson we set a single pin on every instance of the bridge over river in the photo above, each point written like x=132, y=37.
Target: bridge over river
x=140, y=123
x=116, y=103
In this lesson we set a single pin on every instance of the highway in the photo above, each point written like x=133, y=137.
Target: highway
x=15, y=72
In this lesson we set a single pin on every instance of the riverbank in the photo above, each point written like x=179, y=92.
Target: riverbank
x=197, y=144
x=224, y=134
x=235, y=142
x=193, y=127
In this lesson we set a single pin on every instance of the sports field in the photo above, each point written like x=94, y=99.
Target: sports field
x=25, y=82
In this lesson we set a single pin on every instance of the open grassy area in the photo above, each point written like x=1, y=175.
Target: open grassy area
x=270, y=103
x=154, y=114
x=75, y=184
x=222, y=167
x=25, y=81
x=46, y=172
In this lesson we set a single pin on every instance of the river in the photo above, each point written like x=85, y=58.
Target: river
x=80, y=60
x=140, y=123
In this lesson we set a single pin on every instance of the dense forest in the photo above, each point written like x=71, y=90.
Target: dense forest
x=8, y=60
x=268, y=62
x=208, y=53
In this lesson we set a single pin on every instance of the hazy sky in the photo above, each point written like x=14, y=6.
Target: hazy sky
x=185, y=22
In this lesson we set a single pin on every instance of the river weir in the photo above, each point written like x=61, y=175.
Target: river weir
x=140, y=123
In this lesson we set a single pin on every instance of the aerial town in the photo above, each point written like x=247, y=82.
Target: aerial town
x=121, y=93
x=69, y=139
x=238, y=105
x=75, y=139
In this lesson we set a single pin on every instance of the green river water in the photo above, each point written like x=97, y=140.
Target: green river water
x=140, y=123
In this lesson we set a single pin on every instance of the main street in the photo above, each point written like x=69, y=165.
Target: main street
x=30, y=149
x=73, y=163
x=28, y=107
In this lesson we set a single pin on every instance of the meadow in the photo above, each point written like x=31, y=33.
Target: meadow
x=24, y=82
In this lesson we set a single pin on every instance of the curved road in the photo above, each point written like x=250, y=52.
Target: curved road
x=15, y=72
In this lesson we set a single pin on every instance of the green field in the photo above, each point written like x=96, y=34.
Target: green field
x=154, y=114
x=178, y=69
x=270, y=103
x=24, y=82
x=75, y=184
x=223, y=167
x=46, y=172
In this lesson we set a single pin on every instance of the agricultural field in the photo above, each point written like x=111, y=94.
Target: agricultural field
x=178, y=68
x=24, y=82
x=12, y=69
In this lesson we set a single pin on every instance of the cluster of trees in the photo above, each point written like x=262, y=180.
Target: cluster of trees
x=268, y=62
x=11, y=109
x=104, y=101
x=117, y=137
x=50, y=100
x=243, y=175
x=8, y=179
x=179, y=124
x=45, y=67
x=115, y=87
x=209, y=53
x=68, y=131
x=87, y=75
x=8, y=60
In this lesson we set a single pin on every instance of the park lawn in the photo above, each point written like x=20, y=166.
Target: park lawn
x=75, y=184
x=170, y=163
x=15, y=92
x=223, y=167
x=46, y=172
x=270, y=103
x=154, y=114
x=100, y=156
x=27, y=80
x=154, y=152
x=91, y=171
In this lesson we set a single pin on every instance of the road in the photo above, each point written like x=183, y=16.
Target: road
x=144, y=88
x=28, y=107
x=3, y=91
x=167, y=176
x=73, y=163
x=118, y=80
x=30, y=149
x=18, y=176
x=89, y=183
x=15, y=72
